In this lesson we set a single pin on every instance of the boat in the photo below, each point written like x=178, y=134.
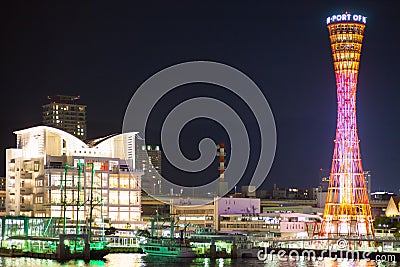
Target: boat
x=170, y=247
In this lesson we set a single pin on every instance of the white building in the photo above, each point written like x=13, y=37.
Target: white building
x=39, y=184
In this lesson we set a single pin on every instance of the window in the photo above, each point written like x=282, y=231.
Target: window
x=39, y=183
x=113, y=179
x=124, y=198
x=36, y=166
x=113, y=197
x=124, y=181
x=39, y=199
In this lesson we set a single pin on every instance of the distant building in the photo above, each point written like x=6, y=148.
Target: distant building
x=321, y=199
x=381, y=195
x=324, y=175
x=291, y=193
x=149, y=161
x=65, y=114
x=248, y=190
x=50, y=168
x=264, y=194
x=278, y=193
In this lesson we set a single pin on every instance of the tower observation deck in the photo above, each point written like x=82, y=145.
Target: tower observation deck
x=347, y=211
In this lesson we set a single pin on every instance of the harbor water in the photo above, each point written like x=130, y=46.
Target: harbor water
x=141, y=260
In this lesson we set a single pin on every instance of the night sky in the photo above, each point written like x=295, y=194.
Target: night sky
x=103, y=51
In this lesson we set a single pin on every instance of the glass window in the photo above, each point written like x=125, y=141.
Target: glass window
x=113, y=198
x=114, y=216
x=124, y=216
x=124, y=181
x=134, y=198
x=113, y=181
x=124, y=197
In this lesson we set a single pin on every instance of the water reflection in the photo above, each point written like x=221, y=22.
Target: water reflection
x=139, y=260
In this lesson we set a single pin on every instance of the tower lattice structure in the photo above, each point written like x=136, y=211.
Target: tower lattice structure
x=347, y=210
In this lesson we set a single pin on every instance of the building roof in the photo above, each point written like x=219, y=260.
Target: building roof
x=96, y=141
x=110, y=146
x=396, y=200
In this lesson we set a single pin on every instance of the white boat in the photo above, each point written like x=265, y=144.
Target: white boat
x=170, y=247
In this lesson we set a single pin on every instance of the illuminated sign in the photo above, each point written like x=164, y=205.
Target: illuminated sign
x=346, y=17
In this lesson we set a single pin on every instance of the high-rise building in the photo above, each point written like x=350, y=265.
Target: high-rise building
x=64, y=113
x=347, y=210
x=148, y=160
x=51, y=169
x=368, y=182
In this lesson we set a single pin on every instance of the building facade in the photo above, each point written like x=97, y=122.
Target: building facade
x=52, y=173
x=64, y=113
x=243, y=215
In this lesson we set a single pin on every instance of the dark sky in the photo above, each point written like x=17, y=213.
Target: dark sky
x=103, y=51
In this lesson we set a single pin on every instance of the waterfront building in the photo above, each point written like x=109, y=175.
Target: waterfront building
x=52, y=173
x=243, y=215
x=294, y=225
x=347, y=209
x=291, y=209
x=64, y=113
x=193, y=216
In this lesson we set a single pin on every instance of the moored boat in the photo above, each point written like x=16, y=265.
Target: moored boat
x=170, y=247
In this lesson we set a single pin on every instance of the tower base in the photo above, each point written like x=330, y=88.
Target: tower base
x=347, y=228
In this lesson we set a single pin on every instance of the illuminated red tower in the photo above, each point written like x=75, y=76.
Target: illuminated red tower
x=347, y=210
x=221, y=154
x=222, y=185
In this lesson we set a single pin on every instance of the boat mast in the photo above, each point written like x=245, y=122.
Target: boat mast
x=91, y=202
x=65, y=198
x=80, y=169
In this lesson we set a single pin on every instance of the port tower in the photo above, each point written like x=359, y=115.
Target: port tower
x=347, y=210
